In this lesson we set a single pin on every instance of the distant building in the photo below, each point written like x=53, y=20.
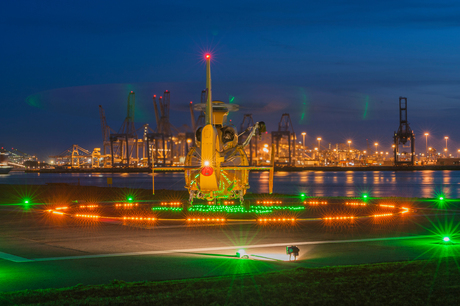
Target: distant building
x=448, y=162
x=36, y=165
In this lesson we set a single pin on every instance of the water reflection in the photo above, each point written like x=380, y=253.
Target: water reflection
x=321, y=183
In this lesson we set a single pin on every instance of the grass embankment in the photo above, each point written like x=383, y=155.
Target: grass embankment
x=404, y=283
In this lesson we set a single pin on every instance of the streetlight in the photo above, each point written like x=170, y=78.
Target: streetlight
x=446, y=142
x=349, y=143
x=319, y=142
x=426, y=138
x=376, y=147
x=303, y=135
x=458, y=151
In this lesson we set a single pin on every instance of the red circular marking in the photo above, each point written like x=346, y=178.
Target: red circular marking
x=207, y=171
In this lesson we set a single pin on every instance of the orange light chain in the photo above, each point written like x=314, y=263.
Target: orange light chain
x=355, y=204
x=206, y=219
x=406, y=210
x=89, y=206
x=269, y=202
x=276, y=219
x=87, y=216
x=140, y=218
x=171, y=203
x=339, y=218
x=126, y=205
x=386, y=205
x=61, y=208
x=229, y=202
x=315, y=202
x=383, y=215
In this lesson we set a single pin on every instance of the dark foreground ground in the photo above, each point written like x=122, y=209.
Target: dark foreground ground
x=434, y=282
x=188, y=263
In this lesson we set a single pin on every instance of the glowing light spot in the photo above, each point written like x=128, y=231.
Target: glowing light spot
x=446, y=239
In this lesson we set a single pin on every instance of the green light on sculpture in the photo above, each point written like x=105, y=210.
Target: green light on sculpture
x=446, y=239
x=26, y=201
x=302, y=195
x=441, y=198
x=130, y=198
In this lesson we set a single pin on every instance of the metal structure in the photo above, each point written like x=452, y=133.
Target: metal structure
x=285, y=128
x=106, y=131
x=162, y=140
x=200, y=121
x=192, y=115
x=403, y=136
x=245, y=127
x=217, y=166
x=124, y=147
x=75, y=156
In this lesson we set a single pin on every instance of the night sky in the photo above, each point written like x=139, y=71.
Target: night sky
x=337, y=67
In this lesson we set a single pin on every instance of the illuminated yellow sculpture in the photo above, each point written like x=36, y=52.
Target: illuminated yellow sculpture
x=217, y=167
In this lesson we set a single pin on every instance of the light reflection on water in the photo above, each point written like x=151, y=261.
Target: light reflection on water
x=320, y=183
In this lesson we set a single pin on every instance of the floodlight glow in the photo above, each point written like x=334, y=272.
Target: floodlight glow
x=302, y=195
x=130, y=198
x=241, y=253
x=446, y=239
x=26, y=202
x=441, y=198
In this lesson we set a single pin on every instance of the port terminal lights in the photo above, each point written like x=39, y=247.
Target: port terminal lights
x=217, y=166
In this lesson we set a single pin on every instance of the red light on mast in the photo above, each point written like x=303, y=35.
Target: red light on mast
x=161, y=97
x=191, y=102
x=154, y=96
x=208, y=56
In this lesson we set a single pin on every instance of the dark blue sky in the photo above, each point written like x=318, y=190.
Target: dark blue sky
x=338, y=67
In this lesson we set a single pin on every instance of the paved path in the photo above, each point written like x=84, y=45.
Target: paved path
x=39, y=250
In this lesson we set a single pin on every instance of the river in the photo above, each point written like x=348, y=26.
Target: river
x=424, y=184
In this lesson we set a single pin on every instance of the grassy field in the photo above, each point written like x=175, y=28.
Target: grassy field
x=403, y=283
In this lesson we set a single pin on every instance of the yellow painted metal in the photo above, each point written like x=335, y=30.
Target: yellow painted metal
x=208, y=112
x=210, y=157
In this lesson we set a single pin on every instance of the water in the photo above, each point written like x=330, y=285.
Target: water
x=314, y=183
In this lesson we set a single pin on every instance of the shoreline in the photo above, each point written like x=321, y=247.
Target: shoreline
x=277, y=169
